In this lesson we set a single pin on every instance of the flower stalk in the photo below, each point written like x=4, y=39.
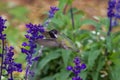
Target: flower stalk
x=7, y=53
x=77, y=68
x=34, y=32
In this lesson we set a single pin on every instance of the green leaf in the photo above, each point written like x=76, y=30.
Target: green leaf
x=48, y=78
x=92, y=56
x=63, y=75
x=83, y=74
x=66, y=56
x=104, y=21
x=48, y=58
x=115, y=58
x=114, y=72
x=109, y=43
x=62, y=4
x=57, y=23
x=100, y=63
x=69, y=2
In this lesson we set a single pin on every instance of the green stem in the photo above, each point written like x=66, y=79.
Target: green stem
x=2, y=59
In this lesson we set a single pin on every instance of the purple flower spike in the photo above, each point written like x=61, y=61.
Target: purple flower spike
x=34, y=32
x=51, y=14
x=83, y=66
x=69, y=68
x=7, y=53
x=52, y=11
x=77, y=68
x=2, y=27
x=111, y=14
x=76, y=78
x=111, y=7
x=77, y=60
x=11, y=66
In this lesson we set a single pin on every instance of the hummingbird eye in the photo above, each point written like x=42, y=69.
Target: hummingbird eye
x=53, y=33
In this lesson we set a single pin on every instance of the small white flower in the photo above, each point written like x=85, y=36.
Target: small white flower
x=90, y=41
x=98, y=33
x=102, y=38
x=94, y=32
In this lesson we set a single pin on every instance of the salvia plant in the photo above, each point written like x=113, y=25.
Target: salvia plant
x=77, y=68
x=113, y=13
x=34, y=32
x=8, y=66
x=96, y=65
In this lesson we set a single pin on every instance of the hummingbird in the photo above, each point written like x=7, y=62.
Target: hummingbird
x=54, y=39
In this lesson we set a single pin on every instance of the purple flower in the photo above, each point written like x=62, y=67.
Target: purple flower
x=51, y=14
x=76, y=78
x=24, y=44
x=77, y=60
x=69, y=68
x=2, y=38
x=7, y=61
x=113, y=12
x=111, y=15
x=52, y=11
x=9, y=65
x=118, y=6
x=2, y=27
x=117, y=13
x=34, y=32
x=111, y=6
x=77, y=68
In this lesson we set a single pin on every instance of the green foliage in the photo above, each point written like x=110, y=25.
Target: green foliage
x=114, y=72
x=92, y=45
x=66, y=56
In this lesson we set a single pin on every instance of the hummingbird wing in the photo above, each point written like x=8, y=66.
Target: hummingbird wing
x=67, y=43
x=48, y=42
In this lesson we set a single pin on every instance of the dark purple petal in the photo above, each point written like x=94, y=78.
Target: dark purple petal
x=31, y=73
x=24, y=51
x=24, y=44
x=76, y=60
x=83, y=66
x=10, y=79
x=69, y=68
x=36, y=58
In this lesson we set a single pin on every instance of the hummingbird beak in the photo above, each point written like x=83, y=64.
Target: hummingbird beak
x=56, y=36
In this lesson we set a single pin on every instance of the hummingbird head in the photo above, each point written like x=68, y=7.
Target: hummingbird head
x=53, y=33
